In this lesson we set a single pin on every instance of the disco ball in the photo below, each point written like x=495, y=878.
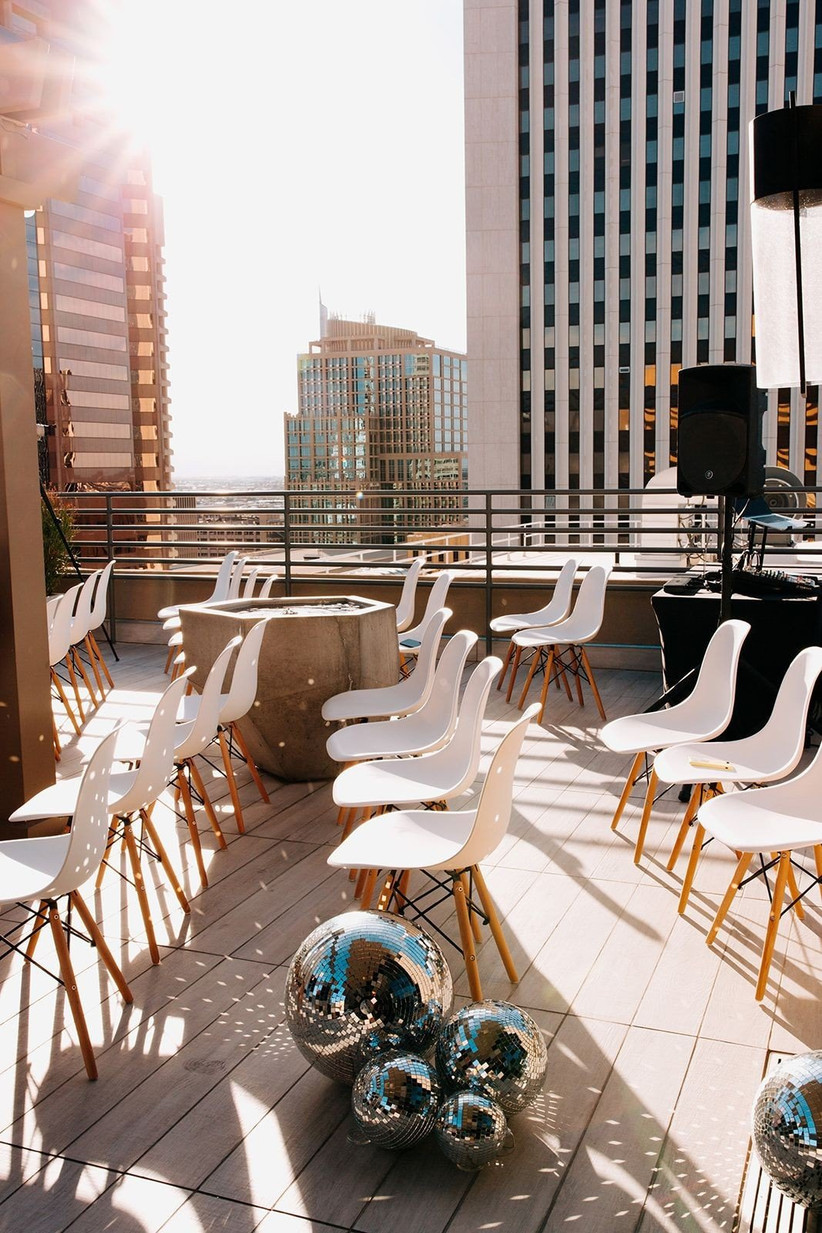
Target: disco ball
x=787, y=1128
x=395, y=1100
x=361, y=981
x=494, y=1048
x=471, y=1130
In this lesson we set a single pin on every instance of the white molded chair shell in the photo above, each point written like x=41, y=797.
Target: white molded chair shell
x=403, y=698
x=239, y=698
x=99, y=603
x=769, y=754
x=61, y=608
x=219, y=592
x=250, y=583
x=442, y=840
x=778, y=818
x=194, y=736
x=236, y=579
x=411, y=639
x=129, y=790
x=556, y=609
x=268, y=583
x=440, y=775
x=427, y=728
x=704, y=714
x=46, y=867
x=583, y=622
x=408, y=595
x=81, y=617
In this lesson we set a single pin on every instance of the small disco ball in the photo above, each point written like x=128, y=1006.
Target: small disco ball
x=471, y=1130
x=395, y=1100
x=787, y=1128
x=362, y=981
x=494, y=1048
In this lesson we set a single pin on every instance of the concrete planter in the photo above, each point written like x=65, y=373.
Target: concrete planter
x=314, y=647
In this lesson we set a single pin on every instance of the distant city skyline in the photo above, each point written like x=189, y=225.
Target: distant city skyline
x=329, y=161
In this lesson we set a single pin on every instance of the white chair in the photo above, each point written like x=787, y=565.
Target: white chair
x=556, y=609
x=560, y=649
x=407, y=696
x=771, y=822
x=408, y=595
x=58, y=639
x=429, y=727
x=432, y=778
x=704, y=714
x=99, y=607
x=192, y=738
x=764, y=757
x=234, y=705
x=451, y=844
x=60, y=631
x=410, y=640
x=219, y=591
x=80, y=626
x=45, y=869
x=268, y=583
x=235, y=581
x=131, y=796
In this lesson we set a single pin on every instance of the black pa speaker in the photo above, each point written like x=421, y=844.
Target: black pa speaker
x=719, y=450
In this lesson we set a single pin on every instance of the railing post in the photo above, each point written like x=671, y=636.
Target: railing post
x=489, y=641
x=111, y=611
x=287, y=539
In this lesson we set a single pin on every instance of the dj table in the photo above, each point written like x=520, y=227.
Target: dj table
x=781, y=625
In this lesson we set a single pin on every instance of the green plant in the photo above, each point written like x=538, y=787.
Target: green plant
x=58, y=530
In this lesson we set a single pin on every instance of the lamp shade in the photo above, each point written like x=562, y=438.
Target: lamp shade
x=786, y=238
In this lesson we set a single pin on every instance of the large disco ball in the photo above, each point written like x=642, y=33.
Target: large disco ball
x=362, y=981
x=494, y=1048
x=787, y=1128
x=395, y=1100
x=471, y=1130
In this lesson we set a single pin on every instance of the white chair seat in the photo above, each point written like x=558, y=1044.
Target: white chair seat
x=417, y=838
x=764, y=820
x=28, y=866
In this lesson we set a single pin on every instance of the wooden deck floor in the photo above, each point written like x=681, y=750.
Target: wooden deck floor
x=205, y=1117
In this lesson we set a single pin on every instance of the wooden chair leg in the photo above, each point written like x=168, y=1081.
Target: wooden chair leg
x=207, y=805
x=140, y=887
x=653, y=780
x=360, y=876
x=514, y=671
x=101, y=945
x=633, y=775
x=61, y=693
x=238, y=737
x=509, y=655
x=466, y=938
x=782, y=873
x=191, y=822
x=694, y=803
x=169, y=869
x=75, y=655
x=793, y=890
x=693, y=861
x=589, y=672
x=494, y=925
x=94, y=666
x=113, y=836
x=232, y=782
x=531, y=674
x=473, y=915
x=38, y=928
x=101, y=661
x=544, y=698
x=386, y=891
x=169, y=659
x=55, y=738
x=70, y=986
x=739, y=873
x=817, y=856
x=561, y=676
x=368, y=889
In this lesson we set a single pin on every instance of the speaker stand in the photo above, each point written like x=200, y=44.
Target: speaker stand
x=726, y=513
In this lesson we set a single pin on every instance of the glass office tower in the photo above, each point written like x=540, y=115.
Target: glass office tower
x=608, y=225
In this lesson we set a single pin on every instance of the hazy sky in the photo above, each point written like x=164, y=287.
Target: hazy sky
x=307, y=145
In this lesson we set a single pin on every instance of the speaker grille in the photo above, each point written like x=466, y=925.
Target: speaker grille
x=712, y=451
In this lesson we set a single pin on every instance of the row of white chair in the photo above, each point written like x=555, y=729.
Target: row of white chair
x=423, y=748
x=728, y=798
x=74, y=618
x=107, y=804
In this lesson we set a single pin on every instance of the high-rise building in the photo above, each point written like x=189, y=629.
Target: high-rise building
x=381, y=410
x=608, y=189
x=96, y=273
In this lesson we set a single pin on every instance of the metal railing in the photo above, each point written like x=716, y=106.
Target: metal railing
x=484, y=535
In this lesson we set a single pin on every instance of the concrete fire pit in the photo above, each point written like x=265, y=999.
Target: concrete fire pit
x=313, y=647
